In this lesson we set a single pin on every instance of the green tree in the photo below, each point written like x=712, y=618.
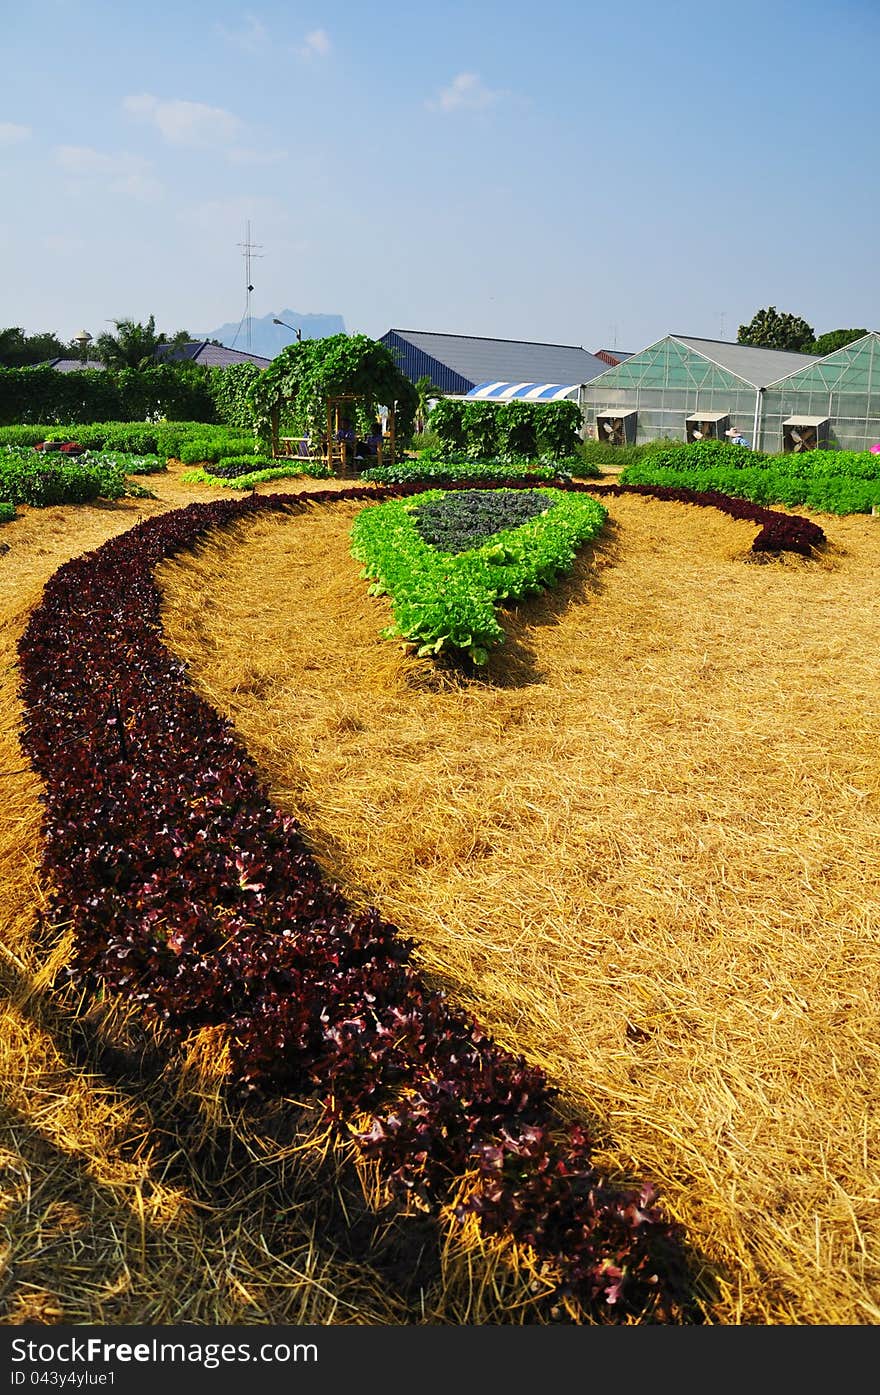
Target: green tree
x=772, y=329
x=425, y=390
x=836, y=339
x=20, y=350
x=134, y=345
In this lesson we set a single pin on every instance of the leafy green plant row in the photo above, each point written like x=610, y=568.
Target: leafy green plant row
x=766, y=485
x=212, y=444
x=522, y=430
x=836, y=481
x=598, y=453
x=128, y=462
x=138, y=437
x=291, y=471
x=445, y=602
x=429, y=469
x=26, y=477
x=135, y=436
x=809, y=464
x=229, y=467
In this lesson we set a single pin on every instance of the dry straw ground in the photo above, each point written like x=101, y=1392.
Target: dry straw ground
x=643, y=851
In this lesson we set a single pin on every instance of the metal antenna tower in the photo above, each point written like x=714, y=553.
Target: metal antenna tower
x=249, y=254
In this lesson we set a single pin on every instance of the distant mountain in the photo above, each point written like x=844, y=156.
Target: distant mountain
x=269, y=339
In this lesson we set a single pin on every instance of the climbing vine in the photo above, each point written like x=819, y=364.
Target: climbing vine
x=303, y=376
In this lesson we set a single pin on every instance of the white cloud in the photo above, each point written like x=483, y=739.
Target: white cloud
x=185, y=123
x=243, y=155
x=252, y=37
x=466, y=91
x=316, y=44
x=122, y=174
x=13, y=134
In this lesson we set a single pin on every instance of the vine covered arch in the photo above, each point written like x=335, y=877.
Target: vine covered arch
x=321, y=397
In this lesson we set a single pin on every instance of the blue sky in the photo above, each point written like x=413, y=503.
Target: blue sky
x=574, y=173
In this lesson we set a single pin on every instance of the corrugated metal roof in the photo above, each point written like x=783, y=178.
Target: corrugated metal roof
x=755, y=366
x=71, y=365
x=465, y=360
x=523, y=392
x=211, y=355
x=414, y=363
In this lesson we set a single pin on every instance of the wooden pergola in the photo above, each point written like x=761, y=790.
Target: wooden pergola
x=338, y=444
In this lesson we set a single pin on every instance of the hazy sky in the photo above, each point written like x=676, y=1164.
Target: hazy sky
x=570, y=172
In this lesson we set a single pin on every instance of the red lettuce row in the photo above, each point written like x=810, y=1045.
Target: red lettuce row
x=190, y=894
x=780, y=532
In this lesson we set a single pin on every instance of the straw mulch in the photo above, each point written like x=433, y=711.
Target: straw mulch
x=129, y=1193
x=642, y=849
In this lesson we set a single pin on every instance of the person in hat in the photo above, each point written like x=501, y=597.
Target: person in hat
x=735, y=437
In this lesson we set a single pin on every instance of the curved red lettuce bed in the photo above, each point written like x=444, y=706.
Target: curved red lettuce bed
x=780, y=532
x=189, y=893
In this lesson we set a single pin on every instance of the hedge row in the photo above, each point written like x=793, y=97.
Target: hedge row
x=133, y=394
x=192, y=896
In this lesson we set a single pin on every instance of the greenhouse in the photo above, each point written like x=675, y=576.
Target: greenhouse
x=832, y=401
x=685, y=389
x=693, y=389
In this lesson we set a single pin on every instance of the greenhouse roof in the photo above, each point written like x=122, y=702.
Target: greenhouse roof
x=854, y=368
x=754, y=365
x=681, y=362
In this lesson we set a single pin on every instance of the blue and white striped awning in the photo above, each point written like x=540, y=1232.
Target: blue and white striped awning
x=526, y=392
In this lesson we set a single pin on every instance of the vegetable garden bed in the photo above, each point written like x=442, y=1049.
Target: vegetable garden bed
x=193, y=715
x=187, y=892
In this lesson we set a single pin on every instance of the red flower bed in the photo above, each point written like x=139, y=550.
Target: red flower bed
x=189, y=893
